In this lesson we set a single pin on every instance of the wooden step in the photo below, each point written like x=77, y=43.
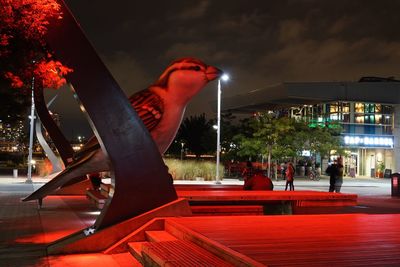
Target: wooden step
x=159, y=236
x=216, y=248
x=179, y=253
x=135, y=248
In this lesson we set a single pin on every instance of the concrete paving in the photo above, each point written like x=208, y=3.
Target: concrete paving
x=25, y=230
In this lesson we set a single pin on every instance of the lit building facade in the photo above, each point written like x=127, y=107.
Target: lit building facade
x=369, y=113
x=367, y=133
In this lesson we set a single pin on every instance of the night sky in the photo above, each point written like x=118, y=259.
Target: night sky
x=259, y=43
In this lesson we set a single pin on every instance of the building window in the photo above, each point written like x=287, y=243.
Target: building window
x=345, y=112
x=346, y=117
x=370, y=119
x=359, y=118
x=345, y=107
x=387, y=109
x=359, y=108
x=369, y=108
x=387, y=119
x=333, y=108
x=334, y=117
x=378, y=118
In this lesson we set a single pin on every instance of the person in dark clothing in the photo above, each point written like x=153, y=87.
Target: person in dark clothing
x=339, y=175
x=332, y=171
x=283, y=170
x=258, y=182
x=289, y=176
x=95, y=179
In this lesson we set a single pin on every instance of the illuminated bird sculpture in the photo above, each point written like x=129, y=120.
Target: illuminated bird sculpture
x=161, y=108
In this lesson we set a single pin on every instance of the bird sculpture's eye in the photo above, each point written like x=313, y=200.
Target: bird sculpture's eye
x=196, y=68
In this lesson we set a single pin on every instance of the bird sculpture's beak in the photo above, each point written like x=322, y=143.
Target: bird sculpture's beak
x=212, y=73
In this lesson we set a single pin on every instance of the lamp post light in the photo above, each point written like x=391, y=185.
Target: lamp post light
x=182, y=150
x=224, y=77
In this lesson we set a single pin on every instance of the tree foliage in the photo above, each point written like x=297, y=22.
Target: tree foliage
x=285, y=137
x=23, y=52
x=197, y=134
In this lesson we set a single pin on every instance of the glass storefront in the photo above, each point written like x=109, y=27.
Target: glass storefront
x=369, y=126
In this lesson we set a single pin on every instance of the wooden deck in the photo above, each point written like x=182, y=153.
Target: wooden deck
x=306, y=240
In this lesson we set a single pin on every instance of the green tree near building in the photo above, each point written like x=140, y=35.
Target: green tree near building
x=322, y=139
x=267, y=138
x=280, y=138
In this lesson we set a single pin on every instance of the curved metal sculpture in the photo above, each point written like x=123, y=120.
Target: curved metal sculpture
x=140, y=178
x=61, y=143
x=55, y=163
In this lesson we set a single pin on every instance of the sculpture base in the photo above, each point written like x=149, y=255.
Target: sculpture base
x=89, y=240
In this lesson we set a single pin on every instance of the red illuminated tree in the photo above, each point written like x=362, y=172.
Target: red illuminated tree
x=24, y=54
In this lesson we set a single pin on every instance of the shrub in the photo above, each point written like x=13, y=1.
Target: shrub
x=192, y=169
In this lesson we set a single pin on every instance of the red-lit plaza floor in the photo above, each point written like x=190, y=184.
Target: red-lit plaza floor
x=300, y=240
x=307, y=240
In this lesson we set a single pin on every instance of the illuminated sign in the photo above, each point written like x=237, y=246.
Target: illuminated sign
x=368, y=141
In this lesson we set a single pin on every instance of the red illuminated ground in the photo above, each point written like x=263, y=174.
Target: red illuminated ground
x=307, y=240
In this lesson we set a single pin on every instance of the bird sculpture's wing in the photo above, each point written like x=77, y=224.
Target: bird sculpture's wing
x=149, y=107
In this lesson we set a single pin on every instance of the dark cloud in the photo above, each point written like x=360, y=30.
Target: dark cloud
x=258, y=42
x=198, y=10
x=130, y=74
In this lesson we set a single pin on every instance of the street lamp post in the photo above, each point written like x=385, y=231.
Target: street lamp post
x=224, y=78
x=32, y=124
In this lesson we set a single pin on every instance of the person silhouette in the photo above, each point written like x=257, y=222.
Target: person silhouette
x=289, y=177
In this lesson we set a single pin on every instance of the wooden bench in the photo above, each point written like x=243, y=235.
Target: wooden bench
x=274, y=202
x=228, y=210
x=96, y=197
x=99, y=197
x=232, y=200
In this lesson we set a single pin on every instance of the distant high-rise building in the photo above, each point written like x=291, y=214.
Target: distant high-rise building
x=11, y=136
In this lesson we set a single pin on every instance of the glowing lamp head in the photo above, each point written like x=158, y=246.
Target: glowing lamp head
x=225, y=77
